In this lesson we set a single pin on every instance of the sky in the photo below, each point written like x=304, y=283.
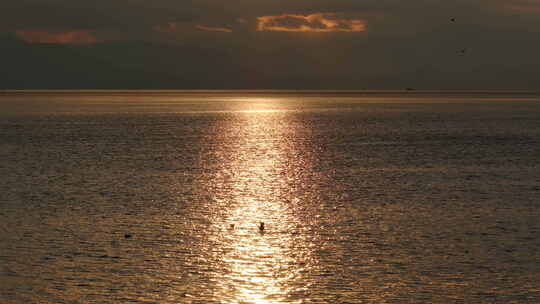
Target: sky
x=270, y=44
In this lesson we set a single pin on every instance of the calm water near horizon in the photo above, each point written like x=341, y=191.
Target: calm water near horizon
x=156, y=197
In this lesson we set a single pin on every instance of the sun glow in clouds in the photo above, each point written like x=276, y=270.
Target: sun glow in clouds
x=522, y=6
x=169, y=28
x=213, y=29
x=69, y=37
x=173, y=27
x=318, y=22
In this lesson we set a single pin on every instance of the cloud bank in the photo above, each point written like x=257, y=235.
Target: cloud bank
x=213, y=29
x=318, y=22
x=523, y=6
x=78, y=37
x=271, y=44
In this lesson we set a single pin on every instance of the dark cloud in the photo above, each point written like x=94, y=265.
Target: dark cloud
x=91, y=15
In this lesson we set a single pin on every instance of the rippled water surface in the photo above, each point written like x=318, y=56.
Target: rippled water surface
x=158, y=198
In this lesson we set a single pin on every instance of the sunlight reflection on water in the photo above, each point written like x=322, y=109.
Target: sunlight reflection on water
x=365, y=199
x=259, y=266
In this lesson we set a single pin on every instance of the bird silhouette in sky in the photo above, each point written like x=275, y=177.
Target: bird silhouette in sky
x=462, y=51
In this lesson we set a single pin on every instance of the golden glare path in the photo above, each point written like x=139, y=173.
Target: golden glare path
x=258, y=265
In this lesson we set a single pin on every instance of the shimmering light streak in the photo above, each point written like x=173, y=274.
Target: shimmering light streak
x=260, y=267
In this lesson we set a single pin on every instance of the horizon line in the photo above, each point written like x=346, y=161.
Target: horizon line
x=273, y=91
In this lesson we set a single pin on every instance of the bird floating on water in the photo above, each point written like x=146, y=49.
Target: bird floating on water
x=261, y=226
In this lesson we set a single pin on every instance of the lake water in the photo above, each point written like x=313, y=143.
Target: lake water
x=157, y=197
